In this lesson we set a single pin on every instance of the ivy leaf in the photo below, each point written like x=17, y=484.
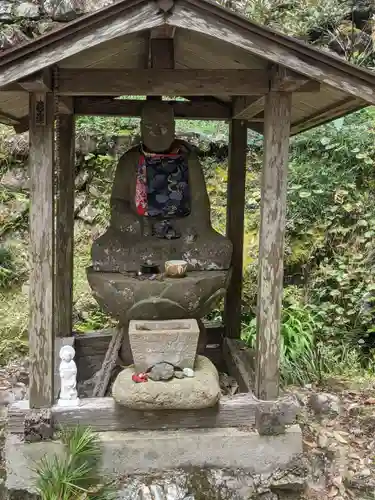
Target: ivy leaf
x=325, y=140
x=362, y=223
x=304, y=194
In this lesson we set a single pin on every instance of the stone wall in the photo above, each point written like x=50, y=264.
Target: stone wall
x=21, y=21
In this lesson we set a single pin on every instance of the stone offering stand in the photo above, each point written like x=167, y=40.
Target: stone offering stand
x=226, y=68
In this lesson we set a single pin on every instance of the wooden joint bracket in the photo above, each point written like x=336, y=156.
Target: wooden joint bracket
x=165, y=5
x=38, y=82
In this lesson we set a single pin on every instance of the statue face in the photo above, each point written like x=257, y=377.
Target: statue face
x=67, y=353
x=157, y=126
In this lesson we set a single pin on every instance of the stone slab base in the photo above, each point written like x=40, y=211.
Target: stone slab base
x=143, y=451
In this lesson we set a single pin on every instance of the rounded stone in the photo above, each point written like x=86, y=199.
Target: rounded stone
x=161, y=371
x=188, y=372
x=202, y=391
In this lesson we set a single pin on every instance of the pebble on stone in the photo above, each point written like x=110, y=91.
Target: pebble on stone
x=188, y=372
x=161, y=371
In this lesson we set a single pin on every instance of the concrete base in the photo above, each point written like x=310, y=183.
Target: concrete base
x=145, y=451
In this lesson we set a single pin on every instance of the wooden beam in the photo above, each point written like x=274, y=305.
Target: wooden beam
x=163, y=82
x=204, y=17
x=162, y=53
x=65, y=105
x=240, y=362
x=104, y=414
x=41, y=328
x=164, y=31
x=235, y=224
x=39, y=82
x=246, y=108
x=271, y=242
x=65, y=170
x=106, y=106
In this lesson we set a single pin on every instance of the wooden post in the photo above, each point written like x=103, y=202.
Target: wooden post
x=235, y=223
x=64, y=225
x=271, y=242
x=41, y=334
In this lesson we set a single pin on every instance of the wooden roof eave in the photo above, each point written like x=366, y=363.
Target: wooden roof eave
x=213, y=20
x=121, y=18
x=354, y=84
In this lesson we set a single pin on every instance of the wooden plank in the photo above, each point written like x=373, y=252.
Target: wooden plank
x=109, y=363
x=112, y=23
x=64, y=225
x=205, y=18
x=59, y=343
x=271, y=242
x=104, y=414
x=240, y=361
x=235, y=224
x=327, y=114
x=163, y=82
x=41, y=327
x=106, y=106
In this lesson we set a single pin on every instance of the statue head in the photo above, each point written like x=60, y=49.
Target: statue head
x=67, y=353
x=157, y=125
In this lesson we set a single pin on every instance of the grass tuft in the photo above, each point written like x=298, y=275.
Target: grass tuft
x=74, y=475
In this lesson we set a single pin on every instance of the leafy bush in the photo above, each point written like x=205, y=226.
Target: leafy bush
x=73, y=476
x=13, y=267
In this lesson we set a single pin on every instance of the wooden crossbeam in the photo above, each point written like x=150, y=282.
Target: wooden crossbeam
x=282, y=80
x=39, y=82
x=201, y=110
x=163, y=82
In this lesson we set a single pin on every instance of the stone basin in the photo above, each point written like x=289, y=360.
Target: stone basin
x=126, y=296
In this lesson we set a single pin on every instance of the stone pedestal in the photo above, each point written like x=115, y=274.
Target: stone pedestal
x=201, y=391
x=173, y=341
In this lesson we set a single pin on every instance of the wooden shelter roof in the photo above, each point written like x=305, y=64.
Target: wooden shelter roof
x=205, y=36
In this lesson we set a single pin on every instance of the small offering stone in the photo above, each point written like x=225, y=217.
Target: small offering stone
x=188, y=372
x=179, y=374
x=161, y=371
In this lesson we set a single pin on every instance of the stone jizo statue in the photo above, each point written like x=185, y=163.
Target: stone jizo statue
x=159, y=205
x=68, y=377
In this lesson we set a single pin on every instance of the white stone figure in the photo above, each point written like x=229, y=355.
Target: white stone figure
x=68, y=377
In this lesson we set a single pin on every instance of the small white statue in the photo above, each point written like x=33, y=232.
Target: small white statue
x=68, y=377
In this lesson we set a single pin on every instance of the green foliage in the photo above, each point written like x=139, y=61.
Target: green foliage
x=304, y=357
x=333, y=23
x=13, y=265
x=73, y=476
